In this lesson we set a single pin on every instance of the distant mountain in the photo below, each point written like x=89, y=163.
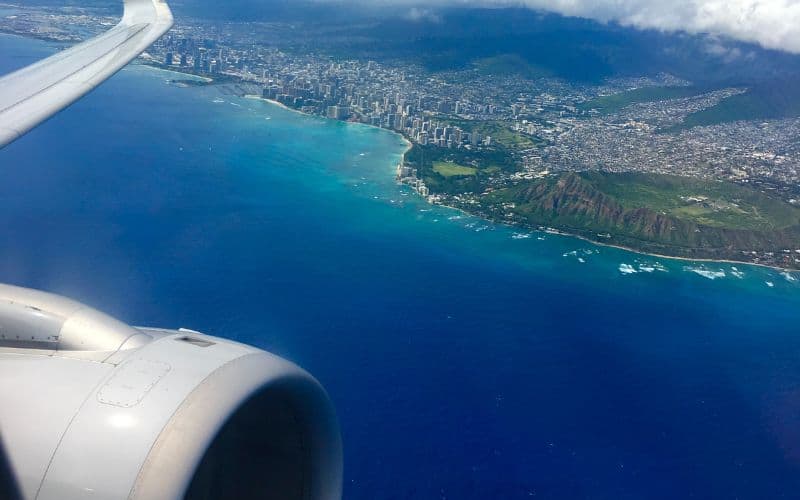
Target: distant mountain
x=572, y=48
x=776, y=99
x=456, y=38
x=488, y=38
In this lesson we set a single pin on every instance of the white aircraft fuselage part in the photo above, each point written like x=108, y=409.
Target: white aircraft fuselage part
x=93, y=408
x=35, y=93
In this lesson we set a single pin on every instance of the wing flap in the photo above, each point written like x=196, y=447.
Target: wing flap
x=33, y=94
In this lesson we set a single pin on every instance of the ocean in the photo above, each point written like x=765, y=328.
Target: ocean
x=466, y=360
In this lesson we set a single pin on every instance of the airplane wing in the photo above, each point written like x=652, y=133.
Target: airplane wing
x=34, y=94
x=93, y=408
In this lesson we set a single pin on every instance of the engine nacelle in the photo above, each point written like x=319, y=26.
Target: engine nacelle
x=93, y=408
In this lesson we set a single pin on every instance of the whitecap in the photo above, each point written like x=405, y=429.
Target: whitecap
x=520, y=236
x=706, y=273
x=581, y=260
x=627, y=269
x=770, y=284
x=789, y=277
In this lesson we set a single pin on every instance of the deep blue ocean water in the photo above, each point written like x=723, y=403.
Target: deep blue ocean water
x=465, y=361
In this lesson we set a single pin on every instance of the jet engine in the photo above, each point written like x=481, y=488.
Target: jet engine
x=92, y=408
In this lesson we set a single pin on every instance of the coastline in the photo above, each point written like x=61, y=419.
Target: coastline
x=408, y=145
x=683, y=259
x=566, y=234
x=559, y=232
x=253, y=97
x=151, y=65
x=407, y=142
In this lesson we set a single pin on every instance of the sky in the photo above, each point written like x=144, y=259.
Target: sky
x=773, y=24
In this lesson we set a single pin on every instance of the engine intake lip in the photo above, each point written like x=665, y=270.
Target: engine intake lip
x=282, y=415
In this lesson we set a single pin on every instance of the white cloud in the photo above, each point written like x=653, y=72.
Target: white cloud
x=719, y=49
x=773, y=24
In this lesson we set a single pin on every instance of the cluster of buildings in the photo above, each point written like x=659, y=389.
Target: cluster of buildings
x=343, y=92
x=201, y=57
x=448, y=110
x=544, y=124
x=763, y=154
x=410, y=176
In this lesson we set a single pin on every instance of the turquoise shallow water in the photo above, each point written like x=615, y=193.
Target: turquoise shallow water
x=466, y=360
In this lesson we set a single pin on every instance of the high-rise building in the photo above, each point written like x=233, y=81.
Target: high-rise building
x=338, y=112
x=475, y=138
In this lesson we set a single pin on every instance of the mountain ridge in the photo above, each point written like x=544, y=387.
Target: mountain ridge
x=578, y=204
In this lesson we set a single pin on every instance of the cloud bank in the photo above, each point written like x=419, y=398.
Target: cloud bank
x=773, y=24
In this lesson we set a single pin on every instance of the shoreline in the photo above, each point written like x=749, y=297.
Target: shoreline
x=254, y=97
x=558, y=232
x=565, y=234
x=684, y=259
x=408, y=145
x=294, y=110
x=151, y=65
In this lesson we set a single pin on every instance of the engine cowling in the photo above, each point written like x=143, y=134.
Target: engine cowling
x=93, y=408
